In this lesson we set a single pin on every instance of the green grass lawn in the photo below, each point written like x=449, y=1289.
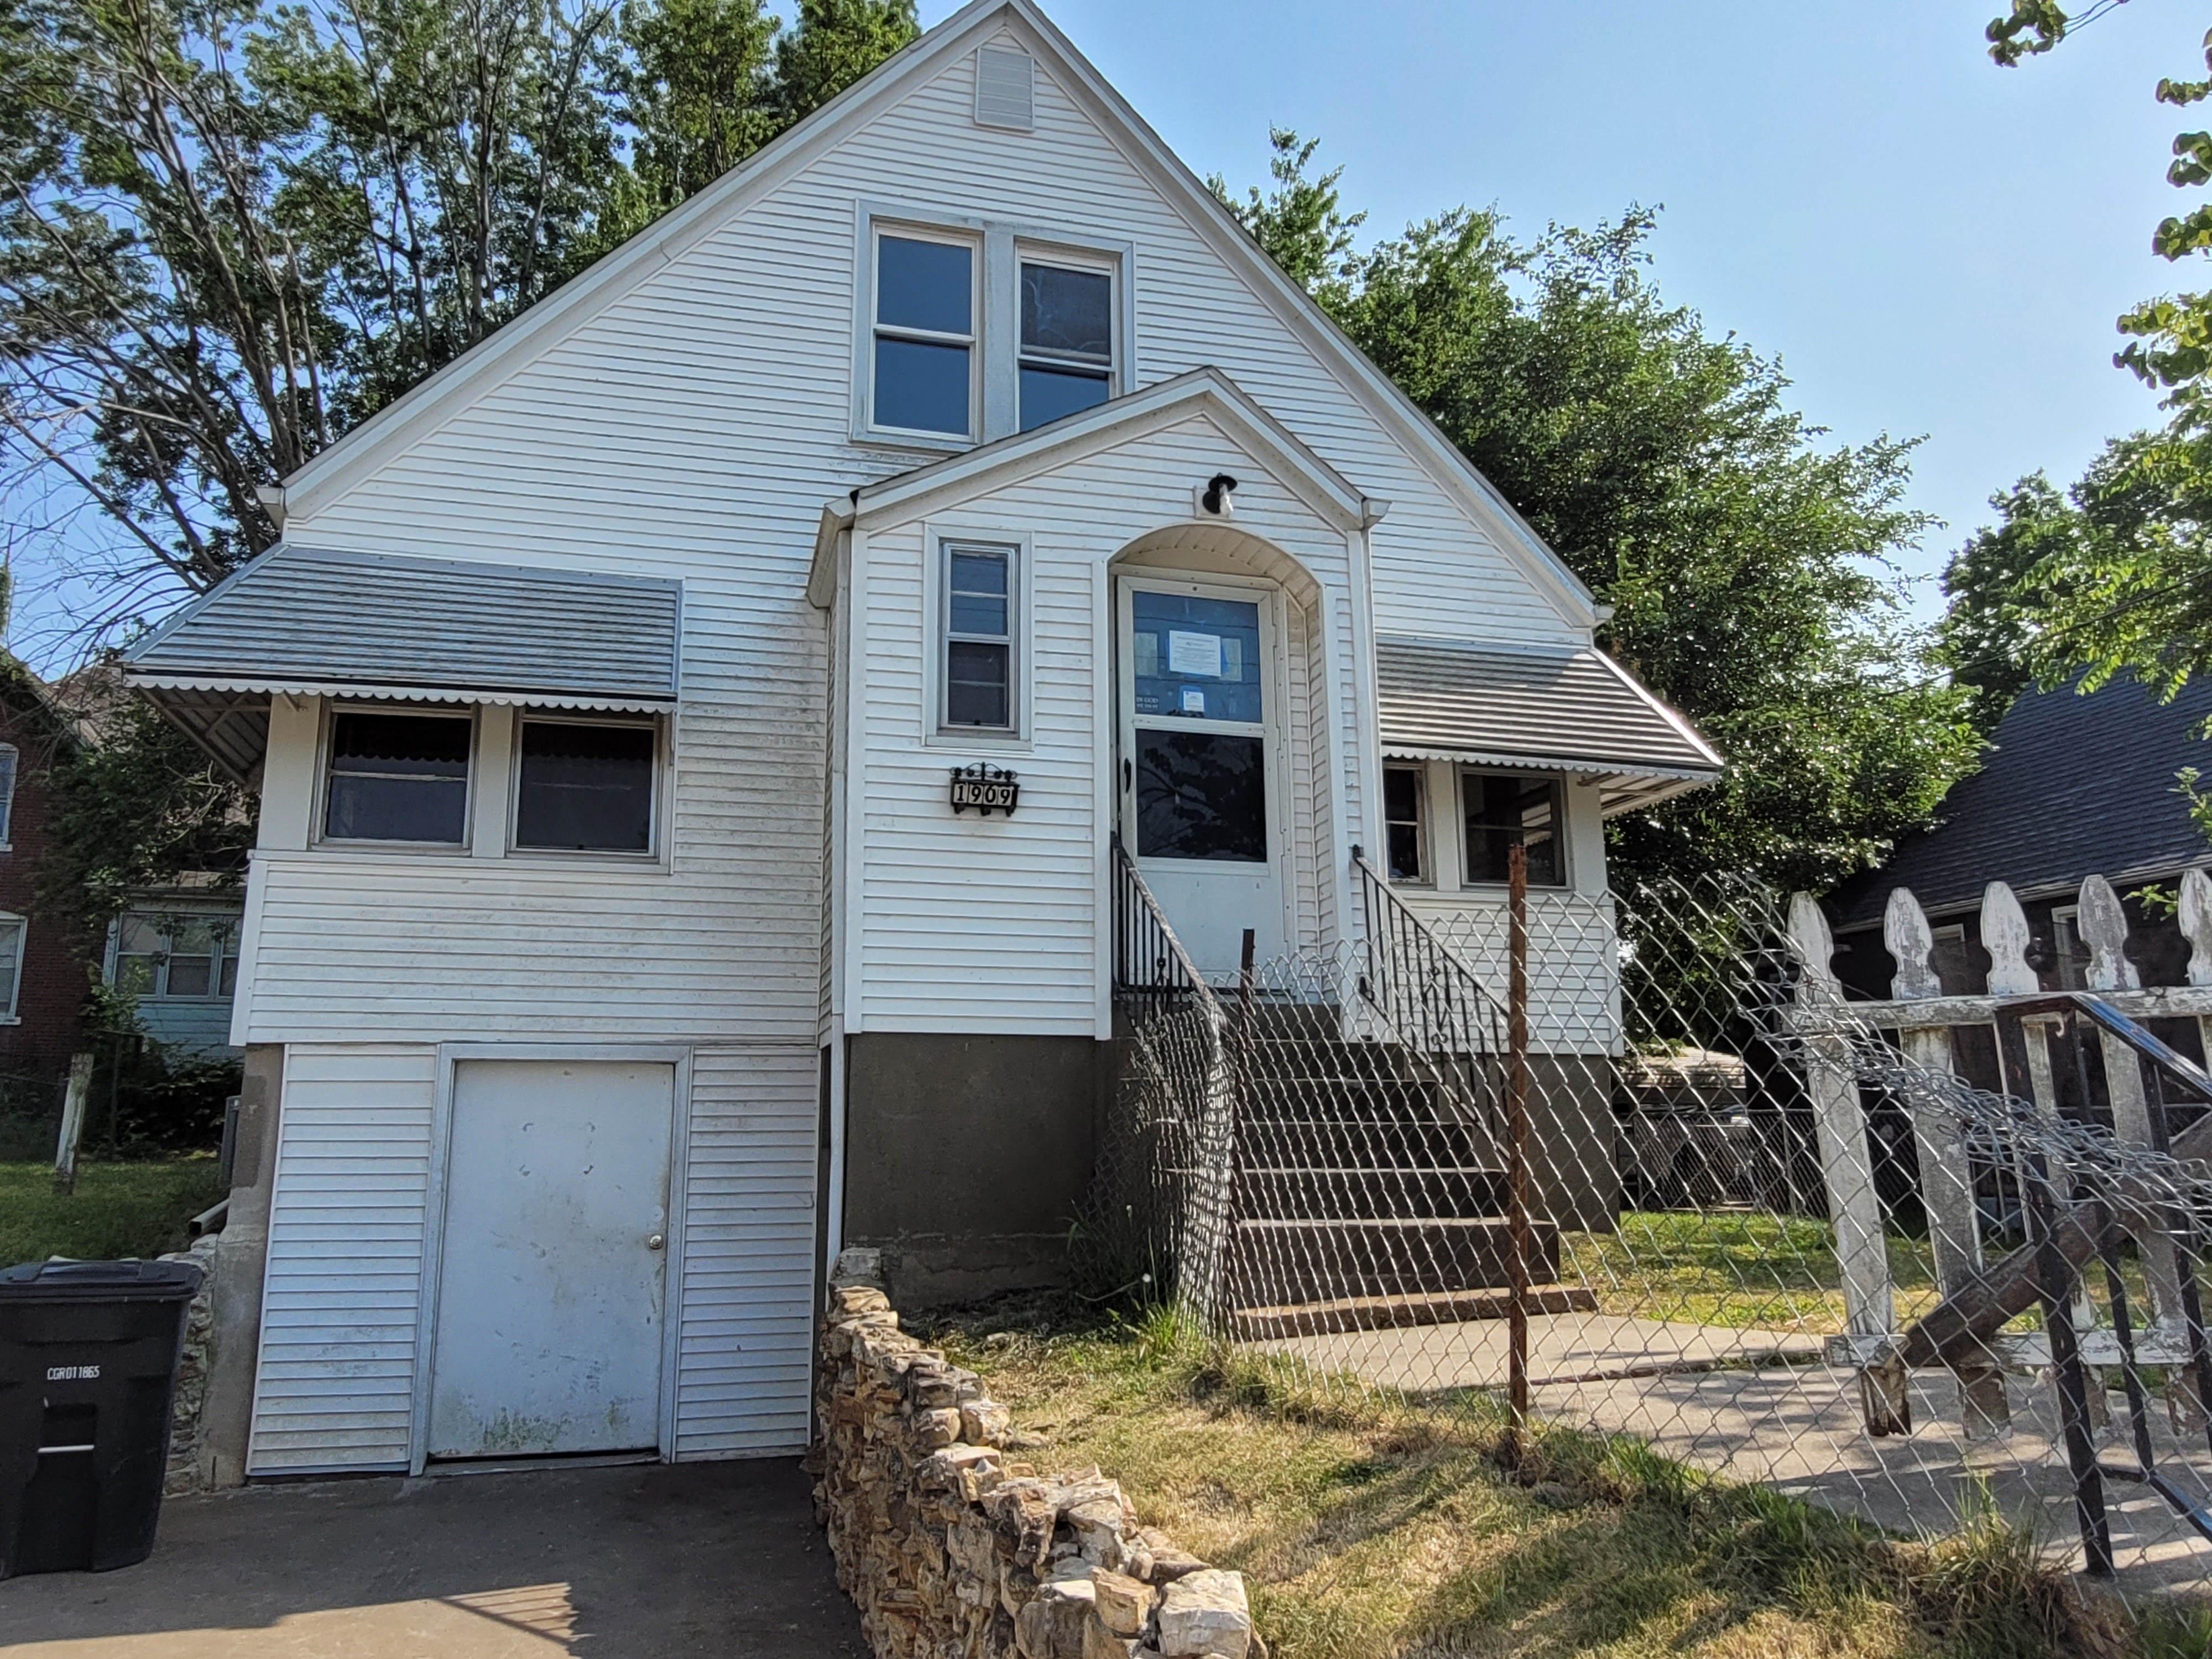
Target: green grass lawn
x=118, y=1209
x=1752, y=1270
x=1374, y=1527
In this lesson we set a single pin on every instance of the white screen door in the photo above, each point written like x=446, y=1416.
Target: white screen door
x=550, y=1284
x=1201, y=802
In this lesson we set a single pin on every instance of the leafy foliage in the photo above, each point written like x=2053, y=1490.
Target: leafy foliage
x=1744, y=562
x=235, y=229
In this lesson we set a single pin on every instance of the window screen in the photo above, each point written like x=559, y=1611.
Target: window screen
x=398, y=777
x=1067, y=341
x=1506, y=807
x=586, y=788
x=924, y=333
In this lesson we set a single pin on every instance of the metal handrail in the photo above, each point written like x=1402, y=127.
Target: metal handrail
x=1149, y=959
x=1433, y=1001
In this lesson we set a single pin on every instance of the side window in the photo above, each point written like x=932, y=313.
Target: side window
x=13, y=931
x=398, y=777
x=1506, y=807
x=1404, y=813
x=1067, y=341
x=158, y=957
x=923, y=350
x=1954, y=969
x=979, y=614
x=7, y=791
x=585, y=785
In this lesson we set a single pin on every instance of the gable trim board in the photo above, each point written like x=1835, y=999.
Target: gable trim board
x=396, y=426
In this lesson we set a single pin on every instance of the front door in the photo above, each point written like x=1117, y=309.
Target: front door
x=550, y=1286
x=1201, y=800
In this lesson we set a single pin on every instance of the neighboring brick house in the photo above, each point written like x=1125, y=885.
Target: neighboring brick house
x=42, y=976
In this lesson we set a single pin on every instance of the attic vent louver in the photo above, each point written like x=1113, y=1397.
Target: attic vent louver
x=1004, y=85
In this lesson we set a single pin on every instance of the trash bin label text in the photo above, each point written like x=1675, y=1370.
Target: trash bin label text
x=72, y=1373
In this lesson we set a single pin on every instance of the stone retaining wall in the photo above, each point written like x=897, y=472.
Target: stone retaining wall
x=953, y=1548
x=188, y=1466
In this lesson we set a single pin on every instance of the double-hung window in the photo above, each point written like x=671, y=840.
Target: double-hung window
x=1506, y=807
x=1402, y=815
x=1068, y=340
x=923, y=350
x=398, y=777
x=585, y=785
x=13, y=932
x=162, y=957
x=981, y=585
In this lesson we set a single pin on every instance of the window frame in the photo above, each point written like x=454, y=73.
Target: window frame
x=1558, y=782
x=1424, y=837
x=873, y=329
x=11, y=1006
x=332, y=707
x=1060, y=256
x=994, y=399
x=11, y=777
x=938, y=541
x=655, y=829
x=2065, y=923
x=228, y=925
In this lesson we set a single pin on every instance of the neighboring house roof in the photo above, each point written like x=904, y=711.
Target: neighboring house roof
x=306, y=621
x=1572, y=709
x=368, y=446
x=2072, y=787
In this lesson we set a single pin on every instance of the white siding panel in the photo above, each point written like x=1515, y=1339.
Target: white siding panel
x=345, y=1259
x=748, y=1293
x=971, y=923
x=692, y=429
x=1574, y=981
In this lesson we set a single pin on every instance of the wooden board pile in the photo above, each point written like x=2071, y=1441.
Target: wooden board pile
x=954, y=1549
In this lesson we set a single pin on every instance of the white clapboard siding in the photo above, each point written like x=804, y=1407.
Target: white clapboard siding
x=1574, y=983
x=345, y=1259
x=691, y=428
x=749, y=1235
x=1010, y=902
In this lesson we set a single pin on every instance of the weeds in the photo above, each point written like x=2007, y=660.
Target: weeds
x=1375, y=1525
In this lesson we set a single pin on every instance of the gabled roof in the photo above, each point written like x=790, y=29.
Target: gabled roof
x=2071, y=787
x=683, y=227
x=1206, y=390
x=1568, y=709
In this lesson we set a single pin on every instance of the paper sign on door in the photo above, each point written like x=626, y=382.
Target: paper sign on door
x=1196, y=654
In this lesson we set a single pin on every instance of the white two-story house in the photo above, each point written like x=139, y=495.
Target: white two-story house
x=621, y=942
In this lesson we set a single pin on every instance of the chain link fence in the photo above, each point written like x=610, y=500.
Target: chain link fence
x=1651, y=1174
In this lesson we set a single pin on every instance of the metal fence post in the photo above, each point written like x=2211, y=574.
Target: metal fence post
x=1517, y=1141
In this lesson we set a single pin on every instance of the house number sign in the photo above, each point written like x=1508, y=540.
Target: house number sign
x=985, y=787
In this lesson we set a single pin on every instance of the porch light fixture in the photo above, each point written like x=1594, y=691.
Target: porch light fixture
x=1218, y=490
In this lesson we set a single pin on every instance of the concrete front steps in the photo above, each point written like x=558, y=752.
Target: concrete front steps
x=1364, y=1202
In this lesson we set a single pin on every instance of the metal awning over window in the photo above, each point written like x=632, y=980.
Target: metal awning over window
x=1572, y=709
x=375, y=625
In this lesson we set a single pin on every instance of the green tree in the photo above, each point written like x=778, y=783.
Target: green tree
x=1989, y=630
x=1746, y=563
x=834, y=44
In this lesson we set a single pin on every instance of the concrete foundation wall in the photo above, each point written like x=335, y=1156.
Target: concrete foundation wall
x=966, y=1156
x=1574, y=1174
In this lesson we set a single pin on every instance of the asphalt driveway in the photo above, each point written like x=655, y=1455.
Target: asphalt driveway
x=644, y=1560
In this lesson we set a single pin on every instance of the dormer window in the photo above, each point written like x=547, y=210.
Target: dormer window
x=924, y=369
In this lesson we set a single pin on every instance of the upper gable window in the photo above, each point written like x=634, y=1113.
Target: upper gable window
x=923, y=371
x=1068, y=340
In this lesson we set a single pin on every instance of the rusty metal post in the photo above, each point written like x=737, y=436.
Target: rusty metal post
x=1516, y=1141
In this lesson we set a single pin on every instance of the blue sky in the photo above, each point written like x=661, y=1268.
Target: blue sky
x=1931, y=245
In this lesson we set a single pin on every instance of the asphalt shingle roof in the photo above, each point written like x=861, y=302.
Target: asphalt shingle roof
x=2072, y=787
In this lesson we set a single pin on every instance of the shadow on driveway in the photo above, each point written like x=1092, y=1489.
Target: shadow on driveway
x=643, y=1561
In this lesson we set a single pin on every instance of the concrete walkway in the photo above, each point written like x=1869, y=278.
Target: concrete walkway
x=644, y=1560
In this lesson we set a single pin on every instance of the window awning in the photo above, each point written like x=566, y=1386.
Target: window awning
x=307, y=622
x=1572, y=709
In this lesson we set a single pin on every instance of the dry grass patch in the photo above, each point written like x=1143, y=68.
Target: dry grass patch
x=1373, y=1528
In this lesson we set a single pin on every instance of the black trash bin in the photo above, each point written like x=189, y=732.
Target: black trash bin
x=88, y=1367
